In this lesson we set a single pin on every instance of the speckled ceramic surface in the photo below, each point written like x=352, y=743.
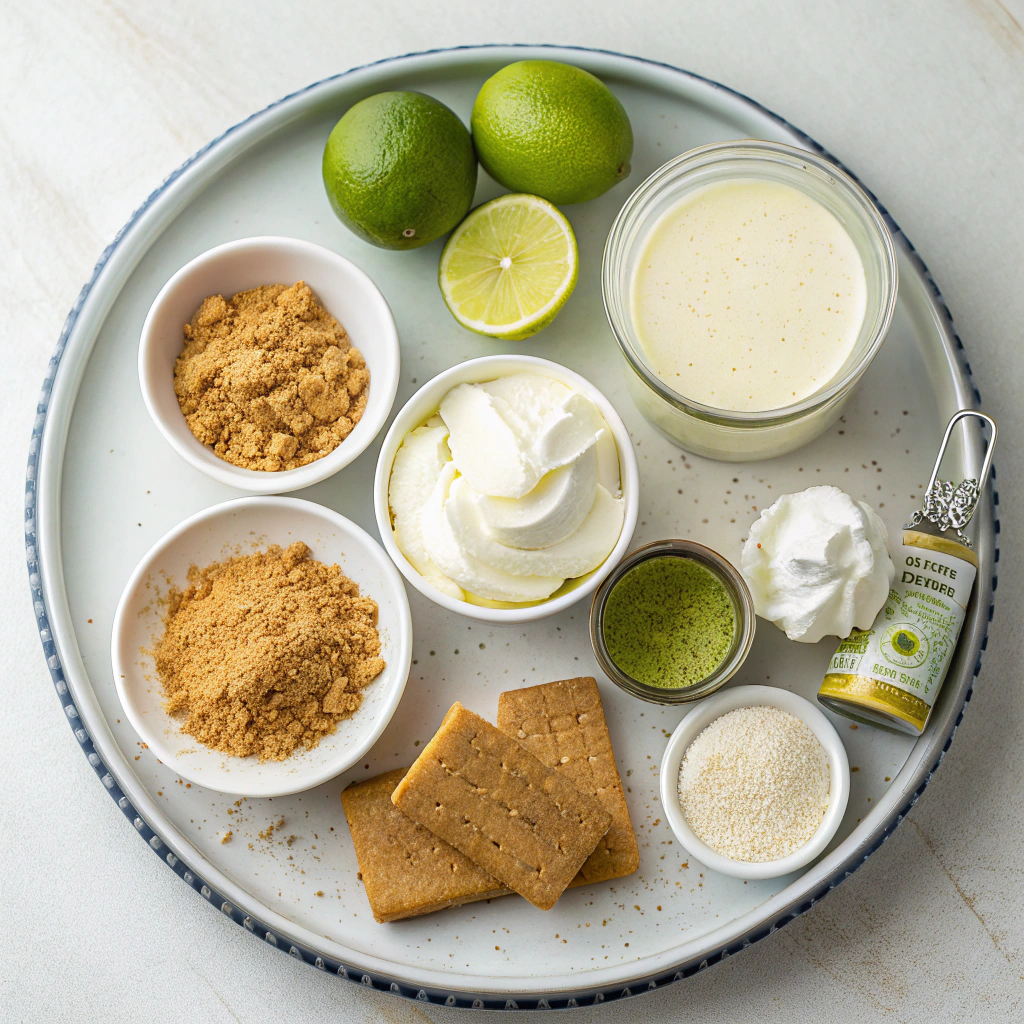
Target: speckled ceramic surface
x=104, y=485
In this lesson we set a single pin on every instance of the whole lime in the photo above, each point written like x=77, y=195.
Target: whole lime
x=551, y=130
x=399, y=169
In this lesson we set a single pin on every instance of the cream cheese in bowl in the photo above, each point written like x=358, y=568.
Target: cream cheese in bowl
x=510, y=490
x=560, y=454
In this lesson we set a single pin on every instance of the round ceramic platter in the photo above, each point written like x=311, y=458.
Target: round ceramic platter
x=103, y=486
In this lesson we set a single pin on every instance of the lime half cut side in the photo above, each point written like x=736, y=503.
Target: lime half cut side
x=509, y=267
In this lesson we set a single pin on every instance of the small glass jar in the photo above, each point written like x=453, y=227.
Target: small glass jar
x=743, y=616
x=740, y=436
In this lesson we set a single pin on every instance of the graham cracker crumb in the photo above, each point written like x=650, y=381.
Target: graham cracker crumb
x=271, y=829
x=267, y=652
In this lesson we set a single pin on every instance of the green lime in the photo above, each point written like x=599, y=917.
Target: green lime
x=399, y=169
x=551, y=130
x=509, y=267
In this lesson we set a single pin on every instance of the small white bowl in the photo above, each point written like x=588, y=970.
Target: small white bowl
x=214, y=534
x=425, y=403
x=342, y=289
x=699, y=719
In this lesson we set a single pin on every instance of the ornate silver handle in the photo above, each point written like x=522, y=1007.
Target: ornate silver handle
x=947, y=506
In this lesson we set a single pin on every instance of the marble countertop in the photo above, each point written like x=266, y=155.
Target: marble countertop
x=102, y=98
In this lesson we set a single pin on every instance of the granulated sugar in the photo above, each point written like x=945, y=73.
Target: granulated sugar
x=754, y=784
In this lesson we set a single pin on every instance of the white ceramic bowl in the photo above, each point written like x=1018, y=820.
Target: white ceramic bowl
x=342, y=289
x=425, y=403
x=702, y=716
x=211, y=535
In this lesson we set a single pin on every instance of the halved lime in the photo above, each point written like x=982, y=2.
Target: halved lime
x=509, y=267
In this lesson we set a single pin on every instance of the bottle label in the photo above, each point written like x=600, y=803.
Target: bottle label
x=913, y=637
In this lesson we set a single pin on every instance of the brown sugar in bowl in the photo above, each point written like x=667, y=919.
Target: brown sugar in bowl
x=344, y=290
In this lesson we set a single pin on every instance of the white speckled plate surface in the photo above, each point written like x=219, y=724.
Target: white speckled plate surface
x=104, y=485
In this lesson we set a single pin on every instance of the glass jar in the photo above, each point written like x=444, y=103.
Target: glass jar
x=743, y=616
x=740, y=436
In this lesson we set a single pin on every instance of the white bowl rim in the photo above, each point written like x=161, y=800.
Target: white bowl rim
x=302, y=780
x=721, y=703
x=258, y=481
x=630, y=485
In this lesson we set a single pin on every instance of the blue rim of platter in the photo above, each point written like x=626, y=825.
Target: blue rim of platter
x=275, y=937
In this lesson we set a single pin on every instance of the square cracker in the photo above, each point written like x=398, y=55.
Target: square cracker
x=513, y=816
x=406, y=869
x=563, y=724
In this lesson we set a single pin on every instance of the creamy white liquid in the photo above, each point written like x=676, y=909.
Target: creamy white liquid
x=748, y=295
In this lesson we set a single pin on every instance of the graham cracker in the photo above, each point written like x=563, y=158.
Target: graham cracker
x=488, y=796
x=406, y=869
x=563, y=724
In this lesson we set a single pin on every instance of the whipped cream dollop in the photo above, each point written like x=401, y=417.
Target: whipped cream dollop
x=509, y=491
x=817, y=564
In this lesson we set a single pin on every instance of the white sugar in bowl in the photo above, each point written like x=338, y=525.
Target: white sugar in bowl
x=711, y=710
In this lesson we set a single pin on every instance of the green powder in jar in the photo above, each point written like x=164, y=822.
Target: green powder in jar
x=669, y=622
